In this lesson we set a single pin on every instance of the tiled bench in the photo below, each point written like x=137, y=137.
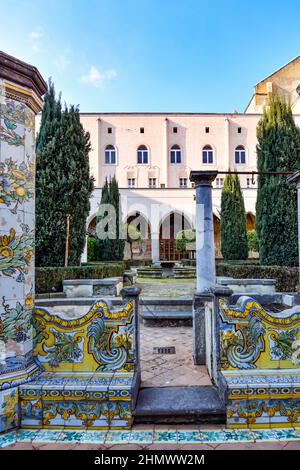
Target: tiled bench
x=77, y=401
x=263, y=399
x=90, y=367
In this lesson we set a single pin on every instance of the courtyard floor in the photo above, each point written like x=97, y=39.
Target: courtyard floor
x=165, y=370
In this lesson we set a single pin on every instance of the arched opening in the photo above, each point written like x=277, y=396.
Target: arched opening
x=207, y=154
x=91, y=230
x=250, y=221
x=138, y=249
x=169, y=228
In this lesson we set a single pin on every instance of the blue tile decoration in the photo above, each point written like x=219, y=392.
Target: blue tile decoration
x=179, y=436
x=260, y=364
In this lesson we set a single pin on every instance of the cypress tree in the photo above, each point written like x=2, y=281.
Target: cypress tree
x=111, y=249
x=63, y=183
x=48, y=227
x=118, y=245
x=278, y=149
x=103, y=244
x=234, y=244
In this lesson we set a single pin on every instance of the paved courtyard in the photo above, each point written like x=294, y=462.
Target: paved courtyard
x=162, y=370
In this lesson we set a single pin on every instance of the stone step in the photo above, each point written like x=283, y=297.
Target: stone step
x=194, y=404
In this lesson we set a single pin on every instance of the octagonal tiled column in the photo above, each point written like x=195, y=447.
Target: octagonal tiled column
x=21, y=89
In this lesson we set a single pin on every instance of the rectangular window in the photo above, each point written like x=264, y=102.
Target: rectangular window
x=174, y=130
x=142, y=130
x=219, y=182
x=131, y=182
x=162, y=185
x=109, y=130
x=183, y=182
x=207, y=130
x=239, y=130
x=142, y=157
x=152, y=182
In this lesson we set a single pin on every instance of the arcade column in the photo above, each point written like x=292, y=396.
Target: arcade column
x=21, y=91
x=205, y=259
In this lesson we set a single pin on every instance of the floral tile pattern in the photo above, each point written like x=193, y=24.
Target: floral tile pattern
x=145, y=436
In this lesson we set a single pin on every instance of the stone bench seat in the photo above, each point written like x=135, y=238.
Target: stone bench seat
x=96, y=400
x=264, y=398
x=110, y=286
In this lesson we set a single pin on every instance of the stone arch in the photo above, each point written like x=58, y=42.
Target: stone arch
x=170, y=225
x=250, y=221
x=139, y=250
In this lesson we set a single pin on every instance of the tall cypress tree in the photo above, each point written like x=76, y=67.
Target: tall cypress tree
x=234, y=244
x=48, y=227
x=118, y=244
x=63, y=183
x=278, y=149
x=110, y=249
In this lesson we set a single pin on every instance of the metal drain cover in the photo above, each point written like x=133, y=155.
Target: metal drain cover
x=166, y=350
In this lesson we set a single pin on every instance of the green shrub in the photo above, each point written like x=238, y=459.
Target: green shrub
x=186, y=240
x=91, y=249
x=50, y=279
x=287, y=278
x=252, y=241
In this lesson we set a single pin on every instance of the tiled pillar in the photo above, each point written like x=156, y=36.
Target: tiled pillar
x=21, y=89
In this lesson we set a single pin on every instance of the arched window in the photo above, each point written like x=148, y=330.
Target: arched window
x=175, y=154
x=110, y=155
x=240, y=155
x=142, y=155
x=207, y=154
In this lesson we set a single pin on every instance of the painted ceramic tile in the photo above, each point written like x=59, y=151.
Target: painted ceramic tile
x=9, y=411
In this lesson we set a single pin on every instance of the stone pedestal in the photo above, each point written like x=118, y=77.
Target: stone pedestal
x=295, y=178
x=205, y=258
x=21, y=89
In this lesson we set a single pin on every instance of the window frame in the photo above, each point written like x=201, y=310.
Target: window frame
x=131, y=186
x=239, y=149
x=110, y=150
x=185, y=185
x=176, y=149
x=208, y=148
x=144, y=150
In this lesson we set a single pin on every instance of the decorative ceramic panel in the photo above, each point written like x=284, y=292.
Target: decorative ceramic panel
x=102, y=340
x=252, y=337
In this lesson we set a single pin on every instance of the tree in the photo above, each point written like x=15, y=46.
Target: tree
x=233, y=220
x=110, y=248
x=278, y=149
x=63, y=183
x=186, y=240
x=133, y=235
x=252, y=240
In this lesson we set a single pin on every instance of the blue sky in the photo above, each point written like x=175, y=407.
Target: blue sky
x=153, y=55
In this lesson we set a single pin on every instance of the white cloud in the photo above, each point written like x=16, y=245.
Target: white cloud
x=98, y=77
x=35, y=34
x=35, y=40
x=61, y=61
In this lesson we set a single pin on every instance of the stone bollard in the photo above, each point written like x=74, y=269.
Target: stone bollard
x=21, y=89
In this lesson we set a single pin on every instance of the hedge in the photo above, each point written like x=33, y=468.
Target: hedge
x=50, y=279
x=287, y=278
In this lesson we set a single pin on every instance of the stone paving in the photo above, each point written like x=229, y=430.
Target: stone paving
x=165, y=370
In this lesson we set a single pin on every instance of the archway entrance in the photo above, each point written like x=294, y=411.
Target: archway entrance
x=169, y=228
x=139, y=249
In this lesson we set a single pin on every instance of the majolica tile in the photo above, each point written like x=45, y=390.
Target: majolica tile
x=141, y=437
x=9, y=409
x=165, y=436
